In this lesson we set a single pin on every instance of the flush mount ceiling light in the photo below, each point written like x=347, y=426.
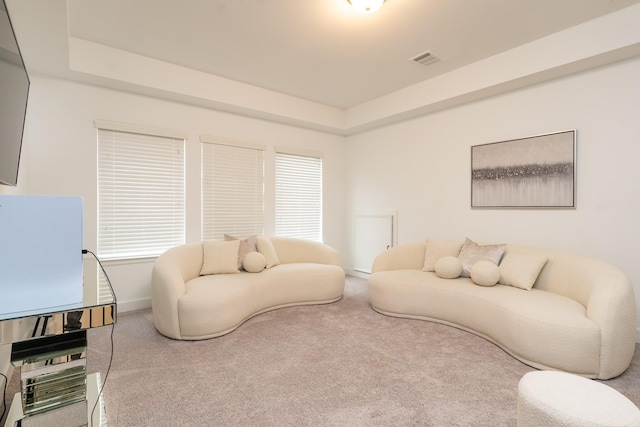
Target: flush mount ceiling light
x=366, y=6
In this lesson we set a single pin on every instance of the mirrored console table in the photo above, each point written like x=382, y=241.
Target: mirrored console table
x=95, y=399
x=50, y=350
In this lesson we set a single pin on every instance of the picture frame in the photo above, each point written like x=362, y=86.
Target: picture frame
x=533, y=172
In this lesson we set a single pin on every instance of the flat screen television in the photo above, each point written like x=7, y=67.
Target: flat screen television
x=14, y=92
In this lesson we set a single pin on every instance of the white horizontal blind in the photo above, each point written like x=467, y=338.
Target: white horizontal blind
x=141, y=194
x=299, y=196
x=232, y=190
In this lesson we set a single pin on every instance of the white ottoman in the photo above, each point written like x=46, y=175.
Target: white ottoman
x=547, y=398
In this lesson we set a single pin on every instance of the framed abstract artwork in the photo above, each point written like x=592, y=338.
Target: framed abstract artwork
x=533, y=172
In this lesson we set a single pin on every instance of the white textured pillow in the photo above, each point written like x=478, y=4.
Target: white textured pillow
x=246, y=245
x=521, y=270
x=448, y=267
x=436, y=249
x=471, y=253
x=219, y=257
x=254, y=262
x=265, y=247
x=485, y=273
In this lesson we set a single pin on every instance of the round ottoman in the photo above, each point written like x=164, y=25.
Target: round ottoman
x=548, y=398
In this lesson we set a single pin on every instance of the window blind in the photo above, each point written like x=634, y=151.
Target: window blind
x=141, y=194
x=232, y=190
x=299, y=195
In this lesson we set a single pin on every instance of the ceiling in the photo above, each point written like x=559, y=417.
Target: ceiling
x=321, y=50
x=318, y=63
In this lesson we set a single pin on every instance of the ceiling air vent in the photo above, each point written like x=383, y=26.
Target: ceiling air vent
x=425, y=58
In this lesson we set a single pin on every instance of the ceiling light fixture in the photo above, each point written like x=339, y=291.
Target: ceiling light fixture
x=366, y=6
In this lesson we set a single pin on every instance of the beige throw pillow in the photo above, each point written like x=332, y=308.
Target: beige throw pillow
x=254, y=262
x=471, y=253
x=246, y=245
x=265, y=247
x=219, y=257
x=448, y=267
x=485, y=273
x=436, y=249
x=521, y=270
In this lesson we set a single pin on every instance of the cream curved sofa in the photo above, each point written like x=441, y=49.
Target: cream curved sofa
x=188, y=306
x=579, y=317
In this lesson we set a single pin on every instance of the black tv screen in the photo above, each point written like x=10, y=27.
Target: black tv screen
x=14, y=92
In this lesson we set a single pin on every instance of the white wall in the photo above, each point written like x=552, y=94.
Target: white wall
x=22, y=184
x=62, y=160
x=20, y=188
x=421, y=167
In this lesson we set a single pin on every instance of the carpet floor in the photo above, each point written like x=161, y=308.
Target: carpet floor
x=339, y=364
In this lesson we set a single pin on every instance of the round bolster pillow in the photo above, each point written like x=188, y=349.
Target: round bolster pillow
x=485, y=273
x=448, y=267
x=254, y=262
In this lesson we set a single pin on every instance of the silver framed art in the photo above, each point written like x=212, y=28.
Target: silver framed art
x=533, y=172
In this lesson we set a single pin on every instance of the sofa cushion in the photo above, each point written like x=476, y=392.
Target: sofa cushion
x=254, y=262
x=220, y=299
x=265, y=247
x=471, y=253
x=521, y=270
x=436, y=249
x=541, y=328
x=301, y=283
x=219, y=257
x=216, y=304
x=485, y=273
x=246, y=245
x=448, y=267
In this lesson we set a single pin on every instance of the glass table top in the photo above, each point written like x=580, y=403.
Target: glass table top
x=98, y=308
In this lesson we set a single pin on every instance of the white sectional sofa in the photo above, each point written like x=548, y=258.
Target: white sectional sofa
x=190, y=305
x=578, y=317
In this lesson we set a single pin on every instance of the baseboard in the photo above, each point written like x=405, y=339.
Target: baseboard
x=133, y=305
x=355, y=273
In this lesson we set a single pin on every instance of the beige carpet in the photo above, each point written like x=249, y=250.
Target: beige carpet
x=340, y=364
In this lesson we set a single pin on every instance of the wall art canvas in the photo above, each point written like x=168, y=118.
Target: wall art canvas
x=533, y=172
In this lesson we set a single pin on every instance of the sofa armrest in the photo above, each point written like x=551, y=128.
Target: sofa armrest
x=170, y=272
x=403, y=257
x=612, y=306
x=292, y=250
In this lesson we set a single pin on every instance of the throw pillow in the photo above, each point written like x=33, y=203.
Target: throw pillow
x=265, y=247
x=436, y=249
x=471, y=253
x=485, y=273
x=448, y=267
x=254, y=262
x=521, y=270
x=219, y=257
x=246, y=245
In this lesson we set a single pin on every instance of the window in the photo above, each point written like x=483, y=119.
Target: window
x=298, y=194
x=141, y=193
x=232, y=189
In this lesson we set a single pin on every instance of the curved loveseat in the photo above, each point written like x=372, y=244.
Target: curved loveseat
x=578, y=317
x=189, y=306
